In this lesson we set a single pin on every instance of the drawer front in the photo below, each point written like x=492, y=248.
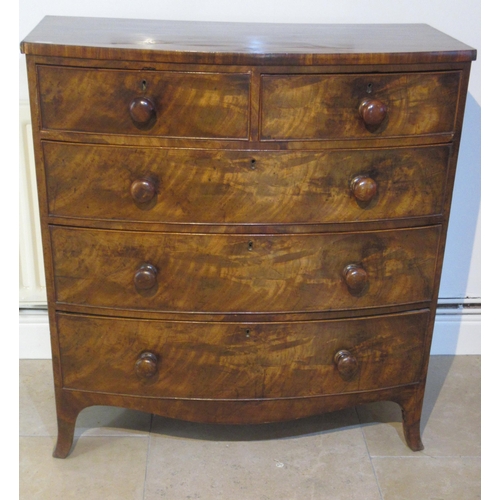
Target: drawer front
x=243, y=273
x=173, y=104
x=333, y=106
x=226, y=361
x=224, y=187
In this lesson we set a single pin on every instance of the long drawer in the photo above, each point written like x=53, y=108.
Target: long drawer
x=243, y=273
x=171, y=104
x=237, y=187
x=235, y=361
x=321, y=107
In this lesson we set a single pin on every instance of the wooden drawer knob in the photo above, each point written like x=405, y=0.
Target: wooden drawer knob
x=355, y=277
x=146, y=365
x=143, y=190
x=363, y=188
x=145, y=277
x=372, y=111
x=346, y=363
x=143, y=112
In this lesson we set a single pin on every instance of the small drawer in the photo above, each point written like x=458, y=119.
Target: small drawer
x=238, y=187
x=329, y=107
x=158, y=103
x=236, y=361
x=182, y=272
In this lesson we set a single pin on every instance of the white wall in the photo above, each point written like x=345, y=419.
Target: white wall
x=458, y=18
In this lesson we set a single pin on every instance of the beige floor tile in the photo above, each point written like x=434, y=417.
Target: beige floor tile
x=323, y=457
x=418, y=478
x=383, y=430
x=451, y=419
x=98, y=468
x=318, y=458
x=37, y=413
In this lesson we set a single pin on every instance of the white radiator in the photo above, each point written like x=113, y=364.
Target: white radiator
x=32, y=293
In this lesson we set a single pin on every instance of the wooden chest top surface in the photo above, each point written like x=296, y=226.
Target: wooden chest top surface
x=243, y=43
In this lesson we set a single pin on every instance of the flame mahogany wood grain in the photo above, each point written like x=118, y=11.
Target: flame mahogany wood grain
x=240, y=360
x=325, y=106
x=234, y=179
x=218, y=273
x=185, y=104
x=238, y=186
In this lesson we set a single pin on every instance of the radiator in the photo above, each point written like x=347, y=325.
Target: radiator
x=32, y=293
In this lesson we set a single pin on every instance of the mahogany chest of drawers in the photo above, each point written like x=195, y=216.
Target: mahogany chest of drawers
x=243, y=223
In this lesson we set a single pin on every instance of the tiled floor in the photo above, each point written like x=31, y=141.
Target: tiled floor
x=356, y=454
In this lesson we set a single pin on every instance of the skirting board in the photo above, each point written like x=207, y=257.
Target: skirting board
x=455, y=333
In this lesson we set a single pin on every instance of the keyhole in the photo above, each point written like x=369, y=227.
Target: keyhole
x=369, y=88
x=247, y=334
x=252, y=163
x=250, y=246
x=144, y=83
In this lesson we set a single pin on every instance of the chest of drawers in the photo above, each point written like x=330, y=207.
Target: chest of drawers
x=242, y=223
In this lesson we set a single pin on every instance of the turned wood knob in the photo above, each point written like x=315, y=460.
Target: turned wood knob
x=146, y=365
x=143, y=190
x=142, y=111
x=363, y=188
x=372, y=111
x=355, y=277
x=145, y=277
x=347, y=364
